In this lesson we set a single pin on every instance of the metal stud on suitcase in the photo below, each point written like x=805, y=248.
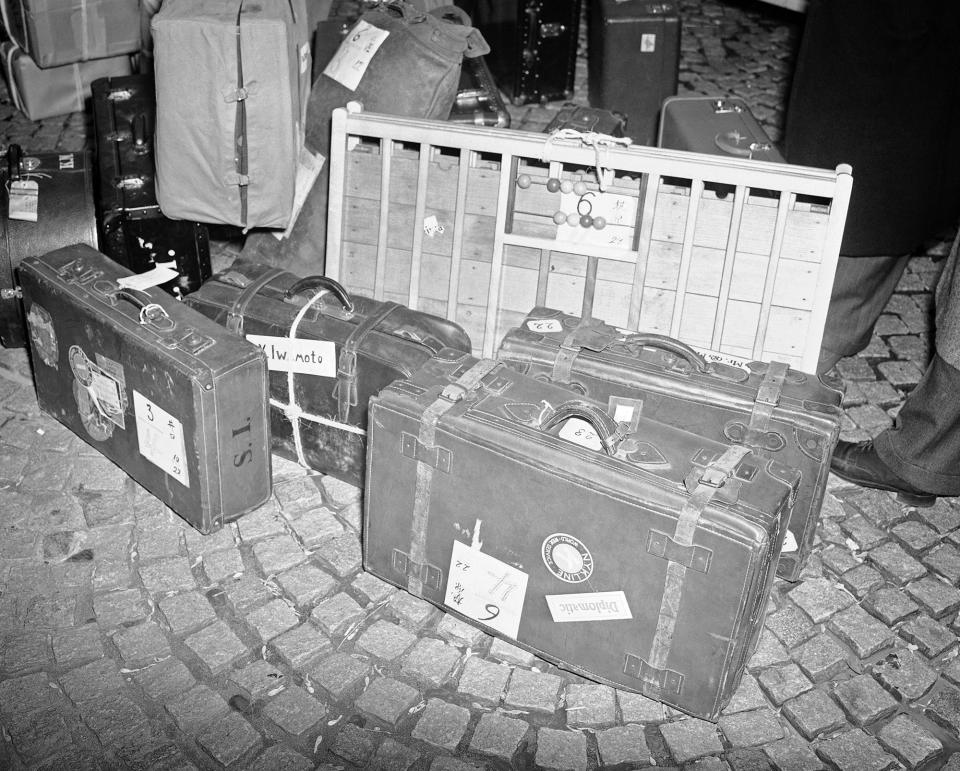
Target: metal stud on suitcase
x=780, y=413
x=134, y=231
x=328, y=352
x=634, y=553
x=177, y=402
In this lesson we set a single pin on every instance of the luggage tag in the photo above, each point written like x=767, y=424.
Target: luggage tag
x=24, y=200
x=160, y=274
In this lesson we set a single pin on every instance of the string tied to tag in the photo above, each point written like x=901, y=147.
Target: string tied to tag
x=600, y=144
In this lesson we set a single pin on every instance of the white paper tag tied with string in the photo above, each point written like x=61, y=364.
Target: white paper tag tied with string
x=161, y=273
x=485, y=589
x=355, y=54
x=24, y=200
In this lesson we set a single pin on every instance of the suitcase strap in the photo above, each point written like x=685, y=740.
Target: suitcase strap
x=239, y=307
x=345, y=390
x=653, y=671
x=424, y=449
x=768, y=397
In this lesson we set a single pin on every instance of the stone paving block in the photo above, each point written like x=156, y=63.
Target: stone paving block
x=388, y=699
x=219, y=565
x=298, y=495
x=306, y=583
x=750, y=729
x=623, y=744
x=952, y=671
x=911, y=743
x=769, y=651
x=890, y=605
x=243, y=593
x=442, y=724
x=338, y=492
x=93, y=680
x=231, y=740
x=900, y=374
x=217, y=647
x=393, y=756
x=814, y=713
x=561, y=750
x=301, y=647
x=533, y=691
x=19, y=696
x=341, y=674
x=852, y=368
x=141, y=645
x=821, y=658
x=820, y=598
x=120, y=607
x=790, y=625
x=942, y=517
x=458, y=632
x=186, y=612
x=279, y=757
x=337, y=614
x=881, y=393
x=690, y=739
x=164, y=681
x=905, y=674
x=198, y=544
x=944, y=560
x=863, y=699
x=314, y=527
x=862, y=580
x=914, y=536
x=861, y=631
x=707, y=764
x=278, y=553
x=944, y=709
x=171, y=574
x=498, y=735
x=935, y=596
x=747, y=696
x=294, y=711
x=784, y=682
x=870, y=418
x=385, y=640
x=73, y=647
x=158, y=541
x=273, y=619
x=590, y=705
x=430, y=661
x=373, y=588
x=262, y=522
x=412, y=612
x=257, y=680
x=748, y=759
x=931, y=637
x=197, y=708
x=838, y=559
x=877, y=506
x=341, y=554
x=23, y=653
x=855, y=751
x=41, y=736
x=896, y=564
x=510, y=653
x=863, y=532
x=355, y=745
x=483, y=680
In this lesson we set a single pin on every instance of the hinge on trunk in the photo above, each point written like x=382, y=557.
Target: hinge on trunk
x=437, y=457
x=665, y=680
x=429, y=574
x=693, y=557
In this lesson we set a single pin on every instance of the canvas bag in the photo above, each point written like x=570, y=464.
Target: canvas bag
x=409, y=66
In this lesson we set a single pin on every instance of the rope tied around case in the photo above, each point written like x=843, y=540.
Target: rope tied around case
x=599, y=142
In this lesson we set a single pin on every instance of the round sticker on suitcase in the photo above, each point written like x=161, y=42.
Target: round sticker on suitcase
x=567, y=558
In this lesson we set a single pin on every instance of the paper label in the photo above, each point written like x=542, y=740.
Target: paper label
x=431, y=226
x=304, y=58
x=160, y=436
x=589, y=606
x=306, y=357
x=623, y=413
x=789, y=543
x=485, y=589
x=65, y=161
x=619, y=211
x=308, y=169
x=580, y=432
x=111, y=392
x=355, y=54
x=722, y=358
x=160, y=274
x=24, y=198
x=544, y=326
x=648, y=43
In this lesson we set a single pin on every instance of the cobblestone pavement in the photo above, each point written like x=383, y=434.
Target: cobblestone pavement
x=127, y=640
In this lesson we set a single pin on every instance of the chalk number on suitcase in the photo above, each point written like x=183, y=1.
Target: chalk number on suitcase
x=485, y=589
x=160, y=436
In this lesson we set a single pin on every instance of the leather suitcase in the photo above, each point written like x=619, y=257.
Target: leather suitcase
x=134, y=232
x=634, y=61
x=638, y=554
x=65, y=214
x=349, y=348
x=714, y=125
x=166, y=394
x=588, y=120
x=533, y=46
x=779, y=413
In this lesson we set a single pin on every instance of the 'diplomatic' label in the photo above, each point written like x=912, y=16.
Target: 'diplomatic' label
x=588, y=606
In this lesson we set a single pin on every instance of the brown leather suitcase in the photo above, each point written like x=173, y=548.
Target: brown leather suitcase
x=327, y=351
x=641, y=556
x=779, y=413
x=163, y=392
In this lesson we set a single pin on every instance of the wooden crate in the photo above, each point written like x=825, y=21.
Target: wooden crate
x=735, y=257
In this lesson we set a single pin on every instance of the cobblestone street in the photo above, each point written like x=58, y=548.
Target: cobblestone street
x=129, y=640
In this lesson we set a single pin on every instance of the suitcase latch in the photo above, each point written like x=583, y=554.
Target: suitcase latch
x=723, y=107
x=11, y=294
x=193, y=342
x=664, y=680
x=552, y=29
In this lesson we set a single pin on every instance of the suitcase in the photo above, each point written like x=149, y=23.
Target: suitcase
x=64, y=215
x=349, y=348
x=588, y=120
x=533, y=46
x=159, y=389
x=779, y=413
x=636, y=554
x=478, y=101
x=227, y=148
x=134, y=231
x=634, y=61
x=714, y=125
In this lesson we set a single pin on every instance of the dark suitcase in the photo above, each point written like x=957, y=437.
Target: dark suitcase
x=533, y=46
x=780, y=413
x=588, y=120
x=643, y=560
x=634, y=59
x=350, y=347
x=166, y=394
x=64, y=212
x=134, y=232
x=714, y=125
x=478, y=101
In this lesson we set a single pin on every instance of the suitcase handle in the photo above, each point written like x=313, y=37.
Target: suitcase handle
x=151, y=314
x=669, y=344
x=608, y=430
x=322, y=282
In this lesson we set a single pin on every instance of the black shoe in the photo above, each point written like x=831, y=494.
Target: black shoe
x=859, y=463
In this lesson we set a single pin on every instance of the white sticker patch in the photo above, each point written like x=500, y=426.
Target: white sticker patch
x=159, y=274
x=485, y=589
x=431, y=226
x=567, y=557
x=544, y=326
x=590, y=606
x=580, y=432
x=789, y=543
x=355, y=54
x=305, y=357
x=722, y=358
x=107, y=392
x=160, y=436
x=24, y=200
x=648, y=43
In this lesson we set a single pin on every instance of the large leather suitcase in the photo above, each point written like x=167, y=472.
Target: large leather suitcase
x=533, y=46
x=349, y=347
x=634, y=61
x=714, y=125
x=779, y=413
x=163, y=392
x=134, y=232
x=64, y=214
x=640, y=556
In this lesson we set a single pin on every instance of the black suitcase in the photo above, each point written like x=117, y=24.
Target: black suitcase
x=346, y=348
x=533, y=46
x=64, y=214
x=133, y=230
x=177, y=402
x=633, y=62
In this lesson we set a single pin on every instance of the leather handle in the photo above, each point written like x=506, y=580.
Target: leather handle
x=14, y=156
x=151, y=314
x=671, y=345
x=321, y=282
x=606, y=427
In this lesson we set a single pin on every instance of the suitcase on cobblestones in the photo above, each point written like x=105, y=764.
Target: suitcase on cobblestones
x=134, y=231
x=64, y=214
x=718, y=126
x=636, y=554
x=163, y=392
x=344, y=349
x=779, y=413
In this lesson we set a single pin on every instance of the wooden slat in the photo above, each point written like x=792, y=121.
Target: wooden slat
x=337, y=190
x=730, y=253
x=696, y=192
x=644, y=231
x=786, y=202
x=508, y=166
x=420, y=206
x=458, y=219
x=386, y=153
